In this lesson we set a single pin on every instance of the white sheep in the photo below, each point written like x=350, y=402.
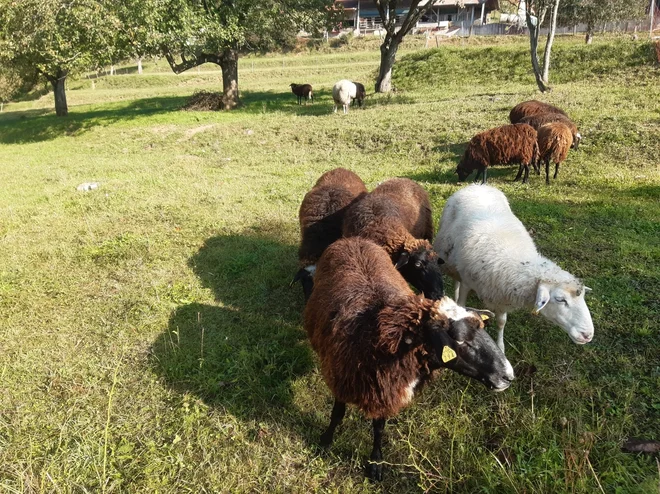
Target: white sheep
x=488, y=250
x=344, y=91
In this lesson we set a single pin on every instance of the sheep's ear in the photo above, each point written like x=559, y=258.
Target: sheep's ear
x=542, y=297
x=483, y=313
x=403, y=260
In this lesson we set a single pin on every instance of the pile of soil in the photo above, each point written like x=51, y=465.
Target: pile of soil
x=204, y=101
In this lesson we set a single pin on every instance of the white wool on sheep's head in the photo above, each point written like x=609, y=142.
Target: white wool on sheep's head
x=565, y=306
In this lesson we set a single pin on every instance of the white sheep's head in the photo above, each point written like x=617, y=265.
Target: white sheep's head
x=564, y=305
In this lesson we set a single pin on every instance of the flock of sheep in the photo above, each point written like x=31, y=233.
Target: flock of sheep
x=343, y=93
x=378, y=341
x=539, y=134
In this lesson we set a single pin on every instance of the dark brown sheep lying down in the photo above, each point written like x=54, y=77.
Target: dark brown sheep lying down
x=379, y=343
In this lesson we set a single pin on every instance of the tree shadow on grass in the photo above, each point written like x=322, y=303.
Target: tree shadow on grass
x=42, y=125
x=244, y=353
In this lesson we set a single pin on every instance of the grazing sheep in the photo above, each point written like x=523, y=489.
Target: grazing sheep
x=303, y=91
x=537, y=121
x=344, y=91
x=397, y=216
x=488, y=250
x=321, y=216
x=379, y=343
x=554, y=140
x=532, y=107
x=507, y=144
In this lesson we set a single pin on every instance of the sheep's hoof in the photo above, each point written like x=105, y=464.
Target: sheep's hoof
x=326, y=440
x=374, y=472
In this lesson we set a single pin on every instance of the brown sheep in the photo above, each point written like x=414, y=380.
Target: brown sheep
x=554, y=141
x=537, y=121
x=378, y=343
x=507, y=144
x=397, y=216
x=532, y=107
x=321, y=218
x=303, y=91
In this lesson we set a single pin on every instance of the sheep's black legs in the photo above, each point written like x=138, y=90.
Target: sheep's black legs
x=338, y=412
x=526, y=179
x=485, y=171
x=520, y=170
x=556, y=171
x=547, y=172
x=375, y=468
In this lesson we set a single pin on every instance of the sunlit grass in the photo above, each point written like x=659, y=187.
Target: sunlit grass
x=174, y=274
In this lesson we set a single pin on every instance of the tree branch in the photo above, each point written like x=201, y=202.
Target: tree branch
x=414, y=14
x=186, y=63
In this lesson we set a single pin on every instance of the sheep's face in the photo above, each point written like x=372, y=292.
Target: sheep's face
x=306, y=278
x=465, y=346
x=576, y=140
x=421, y=268
x=460, y=169
x=565, y=306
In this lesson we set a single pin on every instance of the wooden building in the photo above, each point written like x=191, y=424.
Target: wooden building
x=362, y=15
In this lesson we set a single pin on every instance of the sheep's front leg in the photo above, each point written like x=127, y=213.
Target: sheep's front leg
x=485, y=174
x=526, y=178
x=346, y=109
x=547, y=172
x=338, y=412
x=556, y=171
x=457, y=290
x=334, y=110
x=463, y=292
x=375, y=467
x=501, y=322
x=520, y=170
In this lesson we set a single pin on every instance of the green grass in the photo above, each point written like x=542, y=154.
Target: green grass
x=149, y=341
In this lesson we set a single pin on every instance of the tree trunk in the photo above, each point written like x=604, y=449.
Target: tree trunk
x=139, y=65
x=229, y=66
x=387, y=58
x=548, y=43
x=59, y=89
x=533, y=45
x=590, y=34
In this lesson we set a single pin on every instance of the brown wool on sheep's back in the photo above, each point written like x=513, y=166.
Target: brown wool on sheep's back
x=508, y=144
x=322, y=212
x=530, y=108
x=371, y=322
x=554, y=139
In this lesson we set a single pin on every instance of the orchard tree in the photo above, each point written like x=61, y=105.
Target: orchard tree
x=597, y=12
x=535, y=15
x=394, y=35
x=218, y=31
x=55, y=39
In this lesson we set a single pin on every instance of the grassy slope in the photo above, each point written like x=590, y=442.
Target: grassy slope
x=149, y=340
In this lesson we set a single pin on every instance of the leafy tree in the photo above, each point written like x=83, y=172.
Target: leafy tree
x=535, y=15
x=218, y=31
x=394, y=36
x=596, y=12
x=55, y=39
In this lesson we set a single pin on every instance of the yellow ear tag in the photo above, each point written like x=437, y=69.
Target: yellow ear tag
x=448, y=354
x=484, y=317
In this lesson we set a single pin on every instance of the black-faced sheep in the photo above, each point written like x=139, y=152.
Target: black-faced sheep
x=303, y=91
x=344, y=91
x=379, y=343
x=532, y=107
x=397, y=216
x=554, y=141
x=488, y=250
x=538, y=121
x=321, y=217
x=508, y=144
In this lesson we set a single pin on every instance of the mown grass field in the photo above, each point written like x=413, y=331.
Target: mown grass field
x=149, y=341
